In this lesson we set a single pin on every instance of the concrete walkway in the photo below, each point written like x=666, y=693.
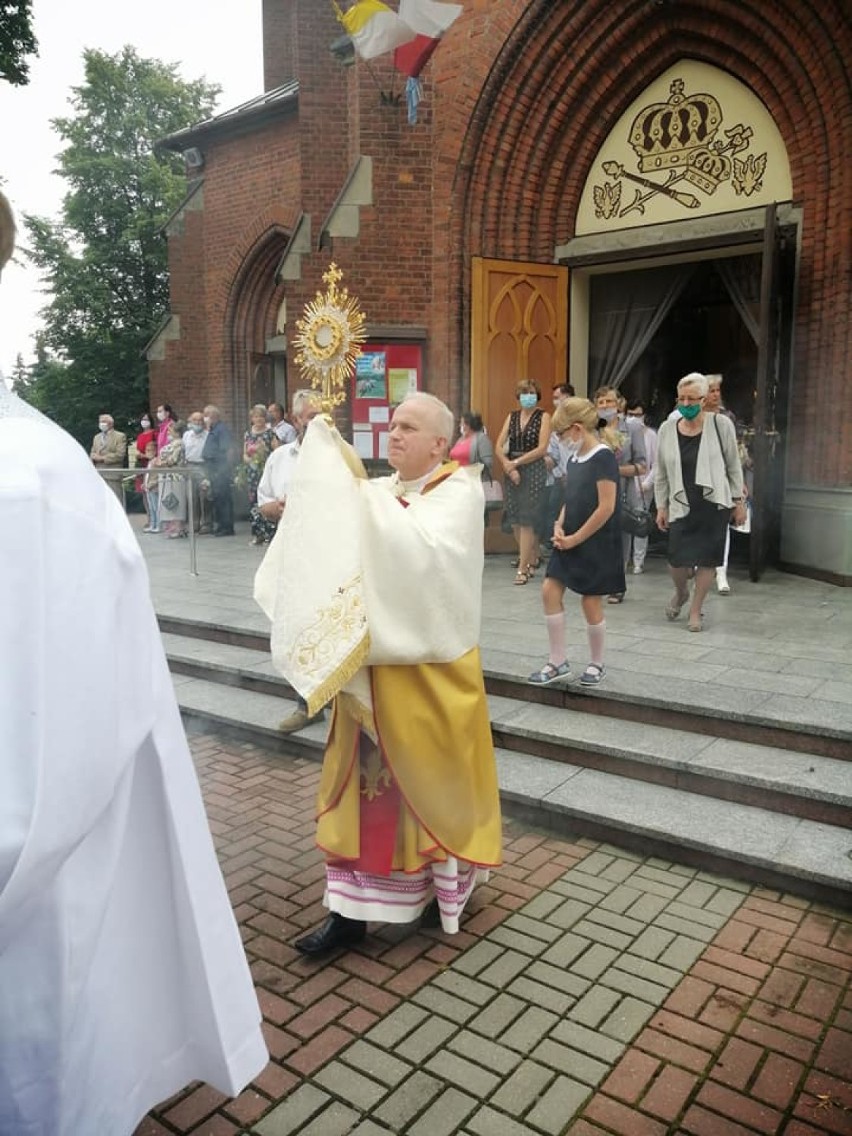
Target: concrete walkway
x=591, y=991
x=779, y=650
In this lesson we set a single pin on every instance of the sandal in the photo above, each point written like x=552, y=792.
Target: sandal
x=530, y=570
x=615, y=598
x=549, y=673
x=674, y=606
x=592, y=675
x=521, y=576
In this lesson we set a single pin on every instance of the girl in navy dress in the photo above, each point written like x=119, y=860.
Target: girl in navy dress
x=587, y=556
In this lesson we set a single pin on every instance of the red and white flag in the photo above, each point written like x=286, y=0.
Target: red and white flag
x=428, y=20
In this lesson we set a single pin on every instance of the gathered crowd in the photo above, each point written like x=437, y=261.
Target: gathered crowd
x=586, y=486
x=189, y=468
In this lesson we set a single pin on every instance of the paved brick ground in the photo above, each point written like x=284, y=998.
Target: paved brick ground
x=590, y=993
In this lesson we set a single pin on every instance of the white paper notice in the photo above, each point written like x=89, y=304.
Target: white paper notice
x=383, y=445
x=362, y=440
x=379, y=414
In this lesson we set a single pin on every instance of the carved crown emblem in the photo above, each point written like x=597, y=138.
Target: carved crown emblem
x=677, y=139
x=664, y=135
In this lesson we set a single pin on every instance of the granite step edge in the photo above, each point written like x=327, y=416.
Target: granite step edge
x=570, y=798
x=576, y=740
x=817, y=733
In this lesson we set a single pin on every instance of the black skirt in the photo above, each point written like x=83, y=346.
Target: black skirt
x=698, y=539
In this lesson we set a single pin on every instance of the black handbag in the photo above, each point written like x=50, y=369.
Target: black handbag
x=636, y=521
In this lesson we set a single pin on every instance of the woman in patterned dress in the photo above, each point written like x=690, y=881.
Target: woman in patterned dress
x=258, y=444
x=521, y=446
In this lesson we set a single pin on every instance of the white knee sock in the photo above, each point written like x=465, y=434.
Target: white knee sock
x=596, y=633
x=556, y=637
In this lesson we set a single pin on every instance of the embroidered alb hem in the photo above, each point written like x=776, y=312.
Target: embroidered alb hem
x=402, y=897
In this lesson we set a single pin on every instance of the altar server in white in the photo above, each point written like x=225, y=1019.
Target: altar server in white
x=122, y=974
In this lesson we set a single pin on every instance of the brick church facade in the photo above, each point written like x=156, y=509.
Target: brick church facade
x=565, y=154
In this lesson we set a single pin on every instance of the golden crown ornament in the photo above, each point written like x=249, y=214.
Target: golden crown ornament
x=328, y=340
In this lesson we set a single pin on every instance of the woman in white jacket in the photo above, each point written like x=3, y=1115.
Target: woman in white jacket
x=698, y=488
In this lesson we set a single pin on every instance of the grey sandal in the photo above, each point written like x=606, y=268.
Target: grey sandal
x=549, y=673
x=592, y=675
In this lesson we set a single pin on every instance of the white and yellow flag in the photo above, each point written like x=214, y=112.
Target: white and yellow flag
x=375, y=28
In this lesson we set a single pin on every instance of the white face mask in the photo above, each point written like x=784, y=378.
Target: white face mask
x=571, y=448
x=161, y=415
x=207, y=422
x=103, y=427
x=146, y=423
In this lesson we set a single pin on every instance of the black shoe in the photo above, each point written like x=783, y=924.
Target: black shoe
x=336, y=931
x=224, y=532
x=431, y=916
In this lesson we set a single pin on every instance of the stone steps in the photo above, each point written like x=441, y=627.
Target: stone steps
x=762, y=811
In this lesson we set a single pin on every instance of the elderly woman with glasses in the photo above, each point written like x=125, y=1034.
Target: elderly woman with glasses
x=698, y=487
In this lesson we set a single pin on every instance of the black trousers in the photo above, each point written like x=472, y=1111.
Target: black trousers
x=222, y=500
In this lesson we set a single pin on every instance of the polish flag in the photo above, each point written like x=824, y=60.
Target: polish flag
x=428, y=20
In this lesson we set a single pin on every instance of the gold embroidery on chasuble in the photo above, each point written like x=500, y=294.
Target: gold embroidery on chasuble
x=340, y=623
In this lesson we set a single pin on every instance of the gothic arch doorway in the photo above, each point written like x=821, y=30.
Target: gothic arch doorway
x=256, y=349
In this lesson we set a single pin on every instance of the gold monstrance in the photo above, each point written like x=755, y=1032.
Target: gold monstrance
x=330, y=334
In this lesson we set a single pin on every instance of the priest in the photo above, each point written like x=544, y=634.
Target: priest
x=122, y=974
x=374, y=592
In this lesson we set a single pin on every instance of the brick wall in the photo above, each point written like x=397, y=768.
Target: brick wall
x=540, y=103
x=279, y=43
x=518, y=99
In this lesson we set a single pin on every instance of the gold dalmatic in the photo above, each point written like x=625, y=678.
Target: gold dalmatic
x=329, y=338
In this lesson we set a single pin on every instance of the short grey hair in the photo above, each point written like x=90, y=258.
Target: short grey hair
x=717, y=379
x=694, y=379
x=444, y=418
x=304, y=397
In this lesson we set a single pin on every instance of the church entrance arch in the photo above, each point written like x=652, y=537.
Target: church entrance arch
x=256, y=346
x=713, y=294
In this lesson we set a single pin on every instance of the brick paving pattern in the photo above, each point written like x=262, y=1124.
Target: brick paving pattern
x=590, y=992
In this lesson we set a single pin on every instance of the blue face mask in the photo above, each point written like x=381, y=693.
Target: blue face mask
x=608, y=413
x=691, y=411
x=528, y=401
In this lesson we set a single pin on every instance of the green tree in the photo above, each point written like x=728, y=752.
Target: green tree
x=20, y=375
x=16, y=40
x=47, y=385
x=104, y=262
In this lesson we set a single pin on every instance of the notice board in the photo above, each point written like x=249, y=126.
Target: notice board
x=384, y=374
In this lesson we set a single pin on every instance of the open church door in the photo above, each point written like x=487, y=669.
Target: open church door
x=519, y=330
x=770, y=398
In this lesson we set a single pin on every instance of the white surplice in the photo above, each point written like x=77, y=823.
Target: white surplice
x=122, y=973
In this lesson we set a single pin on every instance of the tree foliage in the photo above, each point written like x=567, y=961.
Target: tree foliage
x=104, y=261
x=16, y=40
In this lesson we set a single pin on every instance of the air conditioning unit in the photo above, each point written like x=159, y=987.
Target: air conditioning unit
x=194, y=158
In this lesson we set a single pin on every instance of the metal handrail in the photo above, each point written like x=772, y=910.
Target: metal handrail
x=185, y=472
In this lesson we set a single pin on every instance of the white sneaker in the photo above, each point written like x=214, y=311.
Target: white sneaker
x=722, y=585
x=638, y=569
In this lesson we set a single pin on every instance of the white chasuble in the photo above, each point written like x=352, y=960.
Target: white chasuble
x=122, y=974
x=363, y=572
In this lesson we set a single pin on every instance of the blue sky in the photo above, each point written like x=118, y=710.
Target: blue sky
x=217, y=39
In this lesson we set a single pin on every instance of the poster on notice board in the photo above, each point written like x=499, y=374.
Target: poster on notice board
x=371, y=375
